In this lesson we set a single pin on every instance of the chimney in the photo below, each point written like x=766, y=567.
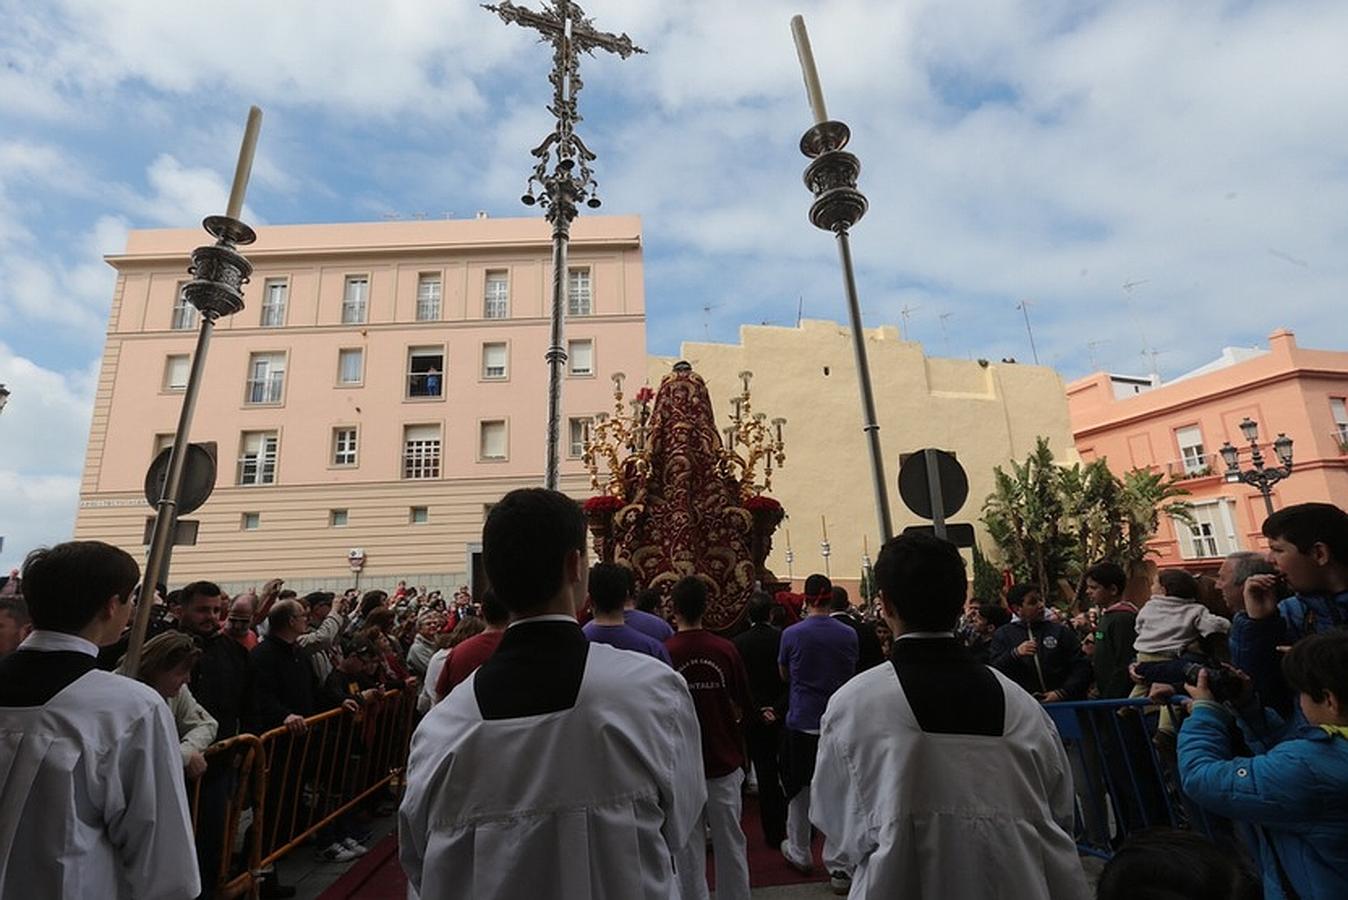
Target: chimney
x=1282, y=342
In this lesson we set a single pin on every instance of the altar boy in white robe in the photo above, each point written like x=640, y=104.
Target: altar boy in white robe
x=92, y=799
x=560, y=768
x=938, y=777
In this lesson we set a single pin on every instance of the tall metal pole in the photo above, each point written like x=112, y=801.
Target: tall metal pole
x=1024, y=307
x=564, y=25
x=838, y=205
x=219, y=274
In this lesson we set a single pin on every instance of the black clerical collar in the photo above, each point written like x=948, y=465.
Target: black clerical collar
x=536, y=669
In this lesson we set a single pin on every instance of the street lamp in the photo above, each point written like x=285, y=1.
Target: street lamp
x=1259, y=476
x=4, y=397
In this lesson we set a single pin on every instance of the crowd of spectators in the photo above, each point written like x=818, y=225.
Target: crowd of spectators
x=1261, y=651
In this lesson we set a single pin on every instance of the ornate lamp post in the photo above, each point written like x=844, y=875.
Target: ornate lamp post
x=1259, y=476
x=219, y=273
x=571, y=181
x=4, y=397
x=838, y=205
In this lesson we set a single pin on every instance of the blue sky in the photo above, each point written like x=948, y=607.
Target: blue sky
x=1044, y=150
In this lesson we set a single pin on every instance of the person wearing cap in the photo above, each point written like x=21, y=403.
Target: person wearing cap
x=325, y=623
x=817, y=656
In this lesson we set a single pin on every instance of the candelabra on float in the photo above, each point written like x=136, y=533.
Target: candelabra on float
x=762, y=443
x=616, y=448
x=838, y=205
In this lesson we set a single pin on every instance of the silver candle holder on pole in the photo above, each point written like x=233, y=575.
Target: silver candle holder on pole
x=832, y=177
x=219, y=273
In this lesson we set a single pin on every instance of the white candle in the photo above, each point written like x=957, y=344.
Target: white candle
x=807, y=68
x=245, y=164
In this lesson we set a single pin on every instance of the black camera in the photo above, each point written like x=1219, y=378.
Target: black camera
x=1224, y=684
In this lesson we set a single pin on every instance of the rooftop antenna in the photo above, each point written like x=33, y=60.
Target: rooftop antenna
x=906, y=313
x=1090, y=348
x=1152, y=353
x=1024, y=307
x=945, y=336
x=706, y=318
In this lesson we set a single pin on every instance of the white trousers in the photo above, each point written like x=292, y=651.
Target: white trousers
x=798, y=836
x=722, y=814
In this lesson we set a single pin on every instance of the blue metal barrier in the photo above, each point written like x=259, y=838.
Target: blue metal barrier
x=1123, y=784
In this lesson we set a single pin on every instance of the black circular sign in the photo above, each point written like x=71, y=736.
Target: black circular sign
x=198, y=477
x=916, y=492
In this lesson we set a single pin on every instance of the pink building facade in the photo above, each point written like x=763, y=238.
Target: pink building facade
x=1178, y=428
x=384, y=385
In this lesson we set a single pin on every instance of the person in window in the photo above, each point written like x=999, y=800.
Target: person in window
x=432, y=382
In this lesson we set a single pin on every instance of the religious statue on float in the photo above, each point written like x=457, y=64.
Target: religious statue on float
x=678, y=497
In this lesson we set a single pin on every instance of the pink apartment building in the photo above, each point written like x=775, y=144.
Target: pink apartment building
x=384, y=385
x=1178, y=427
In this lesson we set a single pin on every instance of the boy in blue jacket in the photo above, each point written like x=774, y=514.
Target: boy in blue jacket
x=1294, y=791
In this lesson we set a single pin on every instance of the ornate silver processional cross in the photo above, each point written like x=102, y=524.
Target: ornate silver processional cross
x=563, y=24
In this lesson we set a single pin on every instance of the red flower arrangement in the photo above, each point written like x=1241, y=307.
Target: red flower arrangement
x=760, y=503
x=645, y=395
x=605, y=503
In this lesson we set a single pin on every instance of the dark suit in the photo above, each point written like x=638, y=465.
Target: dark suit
x=869, y=651
x=758, y=648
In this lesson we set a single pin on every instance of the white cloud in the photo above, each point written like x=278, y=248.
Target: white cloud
x=43, y=432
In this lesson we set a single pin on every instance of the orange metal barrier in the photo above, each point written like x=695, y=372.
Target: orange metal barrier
x=296, y=784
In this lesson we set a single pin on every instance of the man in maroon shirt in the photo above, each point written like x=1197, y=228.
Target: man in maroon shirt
x=464, y=659
x=720, y=687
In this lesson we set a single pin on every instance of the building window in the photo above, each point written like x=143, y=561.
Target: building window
x=161, y=443
x=176, y=368
x=274, y=302
x=496, y=304
x=1190, y=442
x=1213, y=533
x=578, y=292
x=350, y=366
x=425, y=371
x=421, y=451
x=337, y=518
x=428, y=298
x=184, y=313
x=257, y=458
x=251, y=521
x=419, y=515
x=266, y=377
x=355, y=298
x=1339, y=407
x=580, y=357
x=578, y=432
x=494, y=360
x=492, y=442
x=343, y=446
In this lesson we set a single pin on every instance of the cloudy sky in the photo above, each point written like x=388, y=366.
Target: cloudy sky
x=1049, y=151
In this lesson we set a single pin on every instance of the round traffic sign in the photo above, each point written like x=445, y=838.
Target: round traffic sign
x=915, y=487
x=198, y=477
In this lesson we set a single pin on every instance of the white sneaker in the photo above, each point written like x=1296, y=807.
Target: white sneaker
x=355, y=846
x=335, y=852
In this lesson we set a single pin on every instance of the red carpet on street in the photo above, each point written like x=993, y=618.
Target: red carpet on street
x=377, y=875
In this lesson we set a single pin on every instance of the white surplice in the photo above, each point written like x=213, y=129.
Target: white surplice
x=927, y=815
x=92, y=798
x=589, y=802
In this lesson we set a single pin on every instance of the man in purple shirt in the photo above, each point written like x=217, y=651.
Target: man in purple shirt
x=608, y=589
x=638, y=613
x=817, y=656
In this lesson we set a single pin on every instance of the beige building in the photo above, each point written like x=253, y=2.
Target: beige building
x=384, y=385
x=986, y=413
